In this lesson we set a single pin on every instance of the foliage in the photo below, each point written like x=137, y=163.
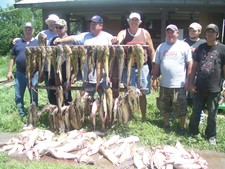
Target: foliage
x=11, y=25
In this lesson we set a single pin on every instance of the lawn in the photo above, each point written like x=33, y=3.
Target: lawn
x=151, y=132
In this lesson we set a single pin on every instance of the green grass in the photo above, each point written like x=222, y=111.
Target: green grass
x=151, y=132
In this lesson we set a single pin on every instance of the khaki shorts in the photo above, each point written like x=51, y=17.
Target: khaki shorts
x=172, y=100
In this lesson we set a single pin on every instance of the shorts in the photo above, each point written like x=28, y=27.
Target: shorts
x=172, y=100
x=145, y=78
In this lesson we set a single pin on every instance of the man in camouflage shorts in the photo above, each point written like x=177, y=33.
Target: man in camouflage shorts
x=170, y=59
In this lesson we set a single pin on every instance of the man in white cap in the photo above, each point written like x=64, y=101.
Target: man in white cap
x=194, y=32
x=135, y=35
x=18, y=56
x=206, y=81
x=96, y=36
x=194, y=41
x=61, y=30
x=50, y=32
x=171, y=58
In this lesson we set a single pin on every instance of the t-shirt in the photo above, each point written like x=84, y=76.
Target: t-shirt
x=173, y=60
x=87, y=38
x=194, y=44
x=211, y=60
x=18, y=50
x=49, y=35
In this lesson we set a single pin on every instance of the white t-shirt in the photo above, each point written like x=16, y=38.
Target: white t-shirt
x=173, y=60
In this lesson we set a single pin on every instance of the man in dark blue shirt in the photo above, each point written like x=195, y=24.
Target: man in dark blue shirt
x=18, y=56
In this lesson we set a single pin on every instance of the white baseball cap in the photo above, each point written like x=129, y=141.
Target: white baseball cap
x=52, y=17
x=196, y=26
x=134, y=15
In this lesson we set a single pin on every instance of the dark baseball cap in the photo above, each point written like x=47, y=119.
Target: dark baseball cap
x=213, y=27
x=96, y=19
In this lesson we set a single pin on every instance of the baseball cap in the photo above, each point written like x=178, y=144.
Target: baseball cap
x=212, y=26
x=196, y=26
x=61, y=22
x=135, y=15
x=52, y=17
x=28, y=24
x=96, y=19
x=172, y=27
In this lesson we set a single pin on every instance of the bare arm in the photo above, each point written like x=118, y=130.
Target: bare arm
x=194, y=66
x=11, y=63
x=155, y=75
x=68, y=39
x=150, y=45
x=121, y=36
x=188, y=82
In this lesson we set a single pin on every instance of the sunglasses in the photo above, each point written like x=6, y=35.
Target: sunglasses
x=59, y=27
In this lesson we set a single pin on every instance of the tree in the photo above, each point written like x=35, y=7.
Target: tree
x=11, y=25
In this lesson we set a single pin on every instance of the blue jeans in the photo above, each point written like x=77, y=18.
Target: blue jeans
x=20, y=87
x=134, y=81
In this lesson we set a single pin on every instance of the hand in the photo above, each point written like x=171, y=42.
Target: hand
x=56, y=41
x=9, y=76
x=114, y=40
x=193, y=89
x=14, y=40
x=155, y=84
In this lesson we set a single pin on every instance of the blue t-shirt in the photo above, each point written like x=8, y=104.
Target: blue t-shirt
x=18, y=50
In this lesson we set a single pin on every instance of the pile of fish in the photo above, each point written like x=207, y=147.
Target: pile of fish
x=103, y=60
x=87, y=147
x=109, y=111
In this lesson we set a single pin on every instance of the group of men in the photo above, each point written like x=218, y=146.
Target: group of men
x=193, y=65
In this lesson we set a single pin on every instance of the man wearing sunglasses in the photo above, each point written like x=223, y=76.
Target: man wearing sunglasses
x=61, y=30
x=96, y=36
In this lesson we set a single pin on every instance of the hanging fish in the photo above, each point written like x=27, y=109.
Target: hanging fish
x=43, y=61
x=42, y=39
x=120, y=61
x=49, y=56
x=59, y=65
x=109, y=102
x=68, y=53
x=100, y=51
x=53, y=60
x=90, y=61
x=139, y=52
x=74, y=63
x=83, y=57
x=130, y=62
x=105, y=61
x=111, y=60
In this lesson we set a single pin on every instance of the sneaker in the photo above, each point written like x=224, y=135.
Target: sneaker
x=212, y=140
x=202, y=117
